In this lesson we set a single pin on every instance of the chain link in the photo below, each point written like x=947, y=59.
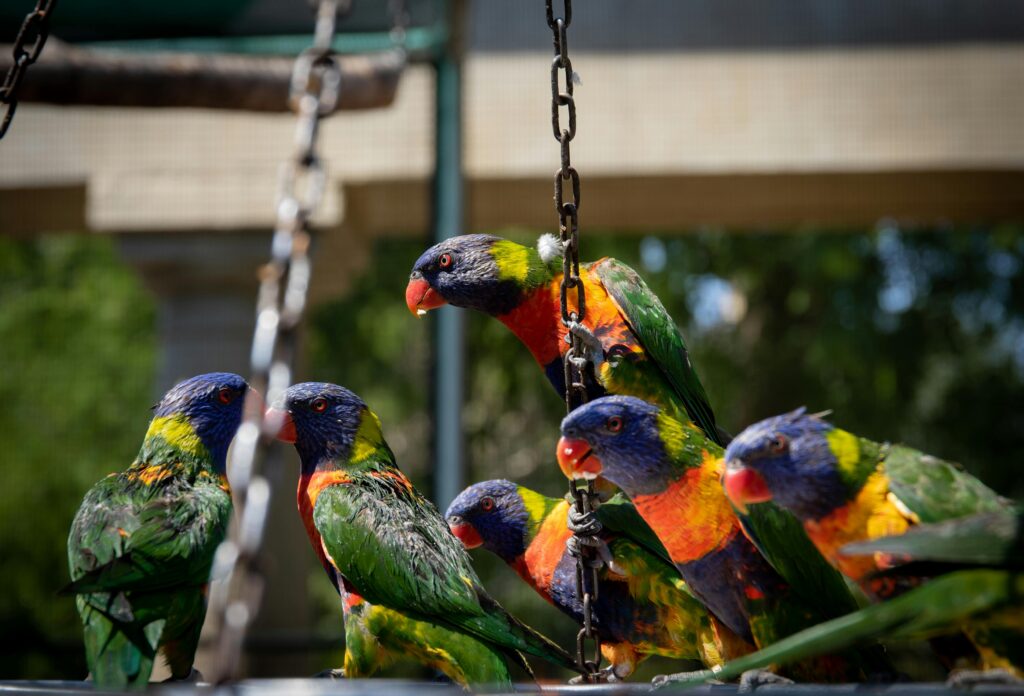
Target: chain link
x=575, y=365
x=27, y=46
x=399, y=23
x=284, y=282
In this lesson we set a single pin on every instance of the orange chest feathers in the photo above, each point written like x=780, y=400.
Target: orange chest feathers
x=309, y=490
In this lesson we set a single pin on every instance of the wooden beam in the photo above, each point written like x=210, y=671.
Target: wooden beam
x=67, y=75
x=676, y=203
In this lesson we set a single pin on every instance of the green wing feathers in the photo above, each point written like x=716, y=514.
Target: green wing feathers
x=139, y=554
x=396, y=550
x=661, y=339
x=936, y=490
x=993, y=540
x=932, y=609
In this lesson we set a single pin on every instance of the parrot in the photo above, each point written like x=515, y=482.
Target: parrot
x=672, y=474
x=976, y=566
x=141, y=545
x=643, y=607
x=631, y=340
x=376, y=635
x=387, y=544
x=846, y=489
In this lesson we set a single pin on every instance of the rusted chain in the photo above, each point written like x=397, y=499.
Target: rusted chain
x=27, y=46
x=575, y=362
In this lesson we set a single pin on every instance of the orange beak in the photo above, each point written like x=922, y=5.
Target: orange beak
x=286, y=429
x=465, y=532
x=577, y=459
x=743, y=486
x=420, y=297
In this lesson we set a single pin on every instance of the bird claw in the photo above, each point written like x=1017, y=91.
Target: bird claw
x=584, y=524
x=967, y=679
x=609, y=560
x=330, y=674
x=595, y=351
x=753, y=679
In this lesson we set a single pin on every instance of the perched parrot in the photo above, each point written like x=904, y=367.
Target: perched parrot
x=978, y=566
x=845, y=489
x=643, y=607
x=382, y=541
x=632, y=341
x=142, y=542
x=672, y=473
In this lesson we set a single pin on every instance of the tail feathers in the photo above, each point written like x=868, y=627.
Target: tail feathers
x=120, y=656
x=518, y=658
x=521, y=638
x=940, y=606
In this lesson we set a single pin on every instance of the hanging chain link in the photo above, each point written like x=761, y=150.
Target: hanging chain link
x=583, y=546
x=28, y=45
x=284, y=282
x=399, y=23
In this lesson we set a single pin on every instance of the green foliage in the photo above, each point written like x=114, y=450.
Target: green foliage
x=77, y=346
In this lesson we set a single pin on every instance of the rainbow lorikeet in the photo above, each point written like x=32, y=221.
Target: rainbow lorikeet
x=672, y=473
x=141, y=545
x=845, y=489
x=376, y=635
x=643, y=607
x=632, y=341
x=381, y=539
x=978, y=568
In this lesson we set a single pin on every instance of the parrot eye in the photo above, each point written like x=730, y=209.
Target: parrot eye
x=319, y=404
x=487, y=504
x=444, y=260
x=778, y=444
x=614, y=424
x=226, y=395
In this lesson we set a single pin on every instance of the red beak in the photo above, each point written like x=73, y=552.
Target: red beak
x=286, y=429
x=577, y=459
x=420, y=297
x=466, y=533
x=744, y=485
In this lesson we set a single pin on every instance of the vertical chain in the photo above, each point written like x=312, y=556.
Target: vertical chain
x=284, y=281
x=399, y=23
x=28, y=45
x=575, y=362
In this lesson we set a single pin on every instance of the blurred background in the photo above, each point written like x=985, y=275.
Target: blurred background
x=828, y=197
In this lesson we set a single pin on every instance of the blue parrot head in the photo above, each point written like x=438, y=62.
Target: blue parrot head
x=212, y=406
x=474, y=271
x=491, y=514
x=619, y=438
x=787, y=459
x=323, y=421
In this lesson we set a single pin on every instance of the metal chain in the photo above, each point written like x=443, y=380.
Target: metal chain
x=27, y=47
x=575, y=362
x=284, y=281
x=399, y=23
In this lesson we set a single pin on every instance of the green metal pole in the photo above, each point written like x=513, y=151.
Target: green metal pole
x=449, y=339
